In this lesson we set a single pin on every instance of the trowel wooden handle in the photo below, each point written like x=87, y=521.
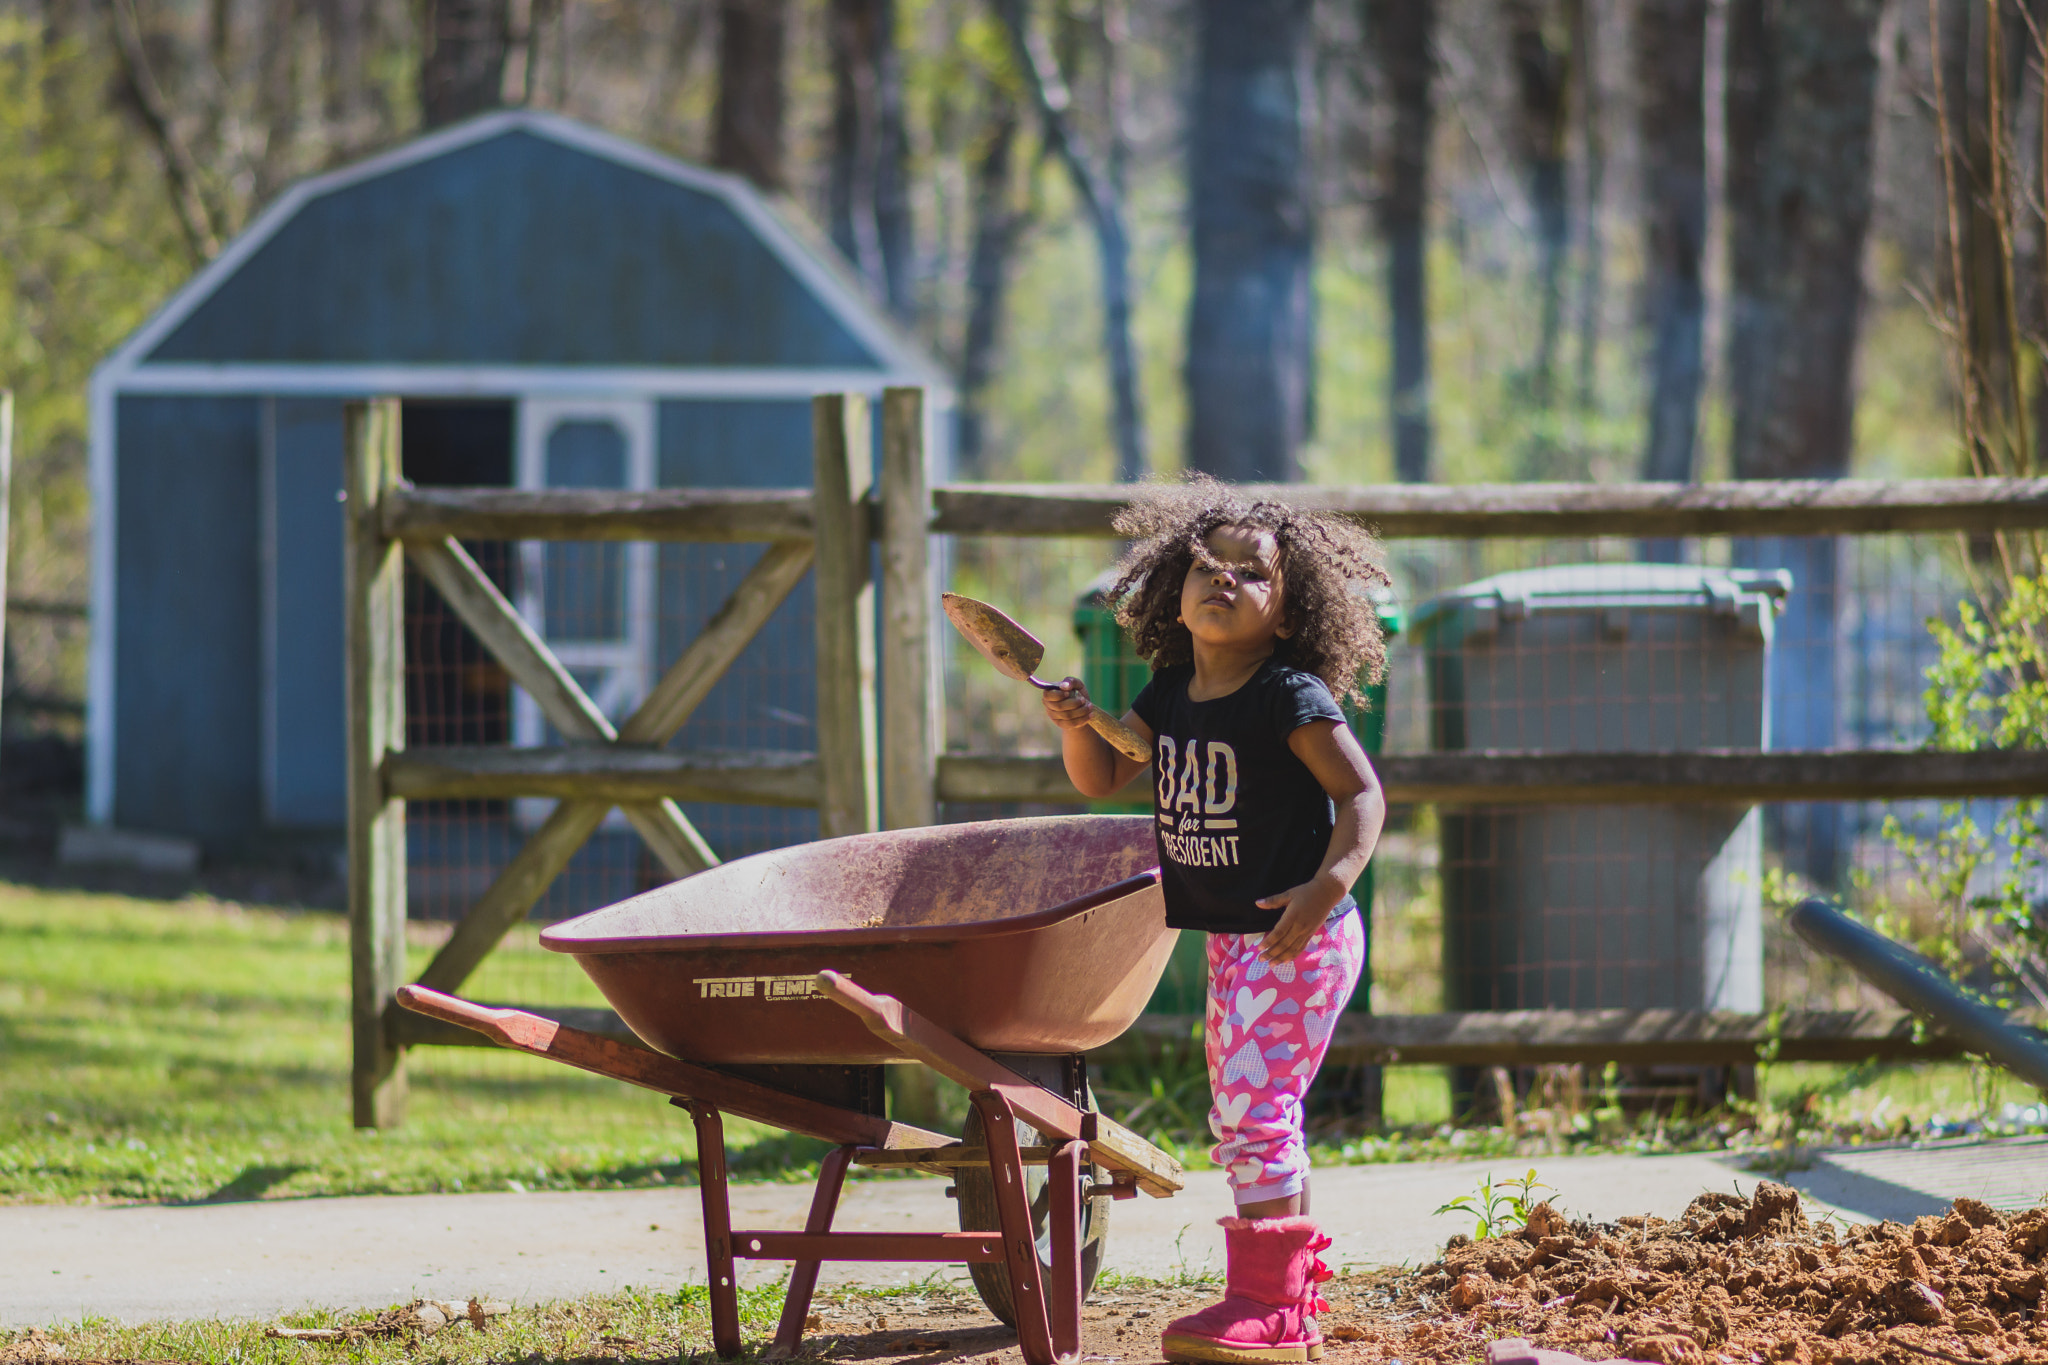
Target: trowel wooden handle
x=1121, y=737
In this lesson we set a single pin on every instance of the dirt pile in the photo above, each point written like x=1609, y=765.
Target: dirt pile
x=1745, y=1281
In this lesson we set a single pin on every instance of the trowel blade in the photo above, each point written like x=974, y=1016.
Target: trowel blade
x=1015, y=651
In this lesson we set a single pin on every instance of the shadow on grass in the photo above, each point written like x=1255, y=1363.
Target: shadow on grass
x=252, y=1184
x=781, y=1156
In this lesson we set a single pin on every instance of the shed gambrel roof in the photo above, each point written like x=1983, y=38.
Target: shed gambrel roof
x=519, y=239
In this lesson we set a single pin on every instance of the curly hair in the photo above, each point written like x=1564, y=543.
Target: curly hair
x=1330, y=566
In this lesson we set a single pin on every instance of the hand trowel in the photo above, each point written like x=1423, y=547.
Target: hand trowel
x=1016, y=653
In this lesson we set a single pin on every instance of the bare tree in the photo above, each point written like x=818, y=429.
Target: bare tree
x=1593, y=157
x=1404, y=33
x=1251, y=332
x=1103, y=201
x=1979, y=60
x=462, y=71
x=1801, y=104
x=869, y=189
x=344, y=43
x=998, y=224
x=747, y=132
x=204, y=220
x=1670, y=42
x=1540, y=47
x=277, y=114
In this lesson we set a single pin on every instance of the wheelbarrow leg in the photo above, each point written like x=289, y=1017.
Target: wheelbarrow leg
x=1013, y=1210
x=1063, y=1295
x=803, y=1276
x=725, y=1292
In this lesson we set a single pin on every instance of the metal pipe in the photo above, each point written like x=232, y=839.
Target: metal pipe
x=1919, y=985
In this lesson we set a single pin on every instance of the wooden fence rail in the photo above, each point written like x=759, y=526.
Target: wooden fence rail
x=1492, y=1038
x=784, y=778
x=1792, y=507
x=858, y=782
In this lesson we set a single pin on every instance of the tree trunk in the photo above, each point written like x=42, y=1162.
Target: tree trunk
x=868, y=188
x=1251, y=324
x=462, y=71
x=997, y=226
x=1801, y=109
x=277, y=98
x=343, y=33
x=1104, y=205
x=1670, y=41
x=1543, y=61
x=1593, y=241
x=747, y=130
x=1979, y=67
x=1405, y=38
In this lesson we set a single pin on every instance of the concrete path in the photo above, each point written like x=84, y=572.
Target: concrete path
x=258, y=1259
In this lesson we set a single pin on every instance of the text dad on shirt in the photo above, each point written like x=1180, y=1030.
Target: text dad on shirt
x=1197, y=793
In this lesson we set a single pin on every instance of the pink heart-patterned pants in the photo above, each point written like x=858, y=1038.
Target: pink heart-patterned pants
x=1268, y=1028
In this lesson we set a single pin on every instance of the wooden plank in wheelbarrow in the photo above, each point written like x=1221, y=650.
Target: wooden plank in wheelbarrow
x=525, y=1032
x=1109, y=1143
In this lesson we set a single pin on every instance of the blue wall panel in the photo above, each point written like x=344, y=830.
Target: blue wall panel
x=187, y=747
x=515, y=250
x=768, y=698
x=308, y=747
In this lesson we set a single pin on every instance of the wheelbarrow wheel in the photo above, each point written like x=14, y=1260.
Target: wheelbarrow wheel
x=977, y=1199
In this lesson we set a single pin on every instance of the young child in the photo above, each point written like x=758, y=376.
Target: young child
x=1256, y=621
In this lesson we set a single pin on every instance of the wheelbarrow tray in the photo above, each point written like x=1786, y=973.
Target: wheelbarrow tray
x=1038, y=935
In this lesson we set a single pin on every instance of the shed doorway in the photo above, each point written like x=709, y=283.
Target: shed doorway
x=456, y=693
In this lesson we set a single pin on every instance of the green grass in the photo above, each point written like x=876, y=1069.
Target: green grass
x=199, y=1050
x=633, y=1324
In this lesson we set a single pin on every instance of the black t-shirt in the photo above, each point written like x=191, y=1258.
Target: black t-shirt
x=1237, y=814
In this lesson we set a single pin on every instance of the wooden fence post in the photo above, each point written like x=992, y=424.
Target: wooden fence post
x=374, y=577
x=842, y=447
x=909, y=702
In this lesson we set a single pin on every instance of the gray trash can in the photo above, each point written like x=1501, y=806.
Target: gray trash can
x=1586, y=907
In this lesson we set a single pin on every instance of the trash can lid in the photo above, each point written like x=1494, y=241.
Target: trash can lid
x=1608, y=587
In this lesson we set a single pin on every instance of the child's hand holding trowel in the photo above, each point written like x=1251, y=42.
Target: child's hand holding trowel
x=1067, y=704
x=1015, y=652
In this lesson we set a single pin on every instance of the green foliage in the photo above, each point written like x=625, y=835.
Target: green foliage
x=88, y=247
x=1499, y=1209
x=1987, y=690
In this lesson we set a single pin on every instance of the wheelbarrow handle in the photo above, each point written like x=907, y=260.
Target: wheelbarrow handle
x=505, y=1027
x=959, y=1061
x=678, y=1079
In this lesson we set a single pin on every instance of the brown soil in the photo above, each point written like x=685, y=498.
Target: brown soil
x=1733, y=1282
x=1737, y=1280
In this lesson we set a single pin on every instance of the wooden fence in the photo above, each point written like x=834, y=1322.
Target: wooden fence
x=857, y=786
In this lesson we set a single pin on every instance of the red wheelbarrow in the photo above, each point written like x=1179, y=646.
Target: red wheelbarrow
x=777, y=986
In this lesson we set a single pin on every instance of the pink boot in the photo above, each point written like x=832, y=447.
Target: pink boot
x=1267, y=1316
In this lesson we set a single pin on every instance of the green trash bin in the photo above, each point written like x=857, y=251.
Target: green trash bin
x=1115, y=674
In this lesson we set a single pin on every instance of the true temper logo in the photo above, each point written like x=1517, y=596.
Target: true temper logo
x=757, y=987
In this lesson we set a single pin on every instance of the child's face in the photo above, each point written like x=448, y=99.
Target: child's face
x=1235, y=600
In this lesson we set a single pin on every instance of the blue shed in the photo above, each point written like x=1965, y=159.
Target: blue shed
x=557, y=307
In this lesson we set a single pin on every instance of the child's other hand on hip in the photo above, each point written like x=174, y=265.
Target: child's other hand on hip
x=1067, y=705
x=1303, y=910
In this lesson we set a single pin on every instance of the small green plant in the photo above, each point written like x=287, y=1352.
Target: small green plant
x=1500, y=1209
x=1988, y=690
